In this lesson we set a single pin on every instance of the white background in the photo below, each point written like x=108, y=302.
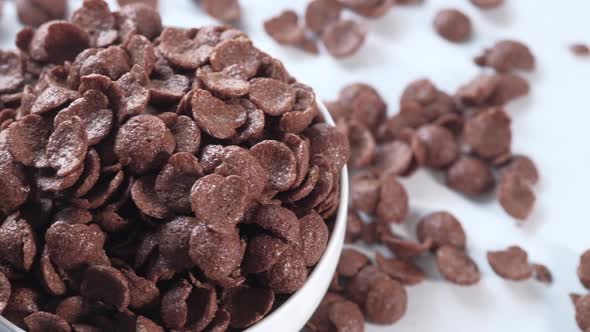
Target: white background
x=552, y=125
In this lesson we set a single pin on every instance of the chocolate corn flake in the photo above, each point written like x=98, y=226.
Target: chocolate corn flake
x=239, y=51
x=262, y=252
x=151, y=3
x=393, y=158
x=510, y=86
x=109, y=183
x=146, y=199
x=359, y=286
x=12, y=178
x=67, y=146
x=386, y=302
x=5, y=291
x=97, y=20
x=72, y=309
x=516, y=196
x=343, y=38
x=374, y=10
x=354, y=227
x=174, y=183
x=220, y=323
x=431, y=102
x=36, y=12
x=84, y=328
x=453, y=25
x=314, y=235
x=112, y=62
x=22, y=303
x=358, y=3
x=511, y=263
x=328, y=141
x=320, y=320
x=478, y=90
x=443, y=229
x=58, y=41
x=470, y=176
x=487, y=4
x=288, y=274
x=132, y=93
x=362, y=145
x=52, y=98
x=26, y=140
x=301, y=149
x=106, y=285
x=111, y=220
x=272, y=96
x=169, y=90
x=285, y=28
x=441, y=147
x=324, y=186
x=279, y=162
x=488, y=133
x=44, y=321
x=141, y=19
x=19, y=244
x=179, y=47
x=141, y=52
x=246, y=305
x=305, y=110
x=351, y=262
x=401, y=270
x=188, y=306
x=231, y=81
x=145, y=324
x=70, y=246
x=579, y=49
x=456, y=266
x=52, y=281
x=507, y=55
x=219, y=201
x=364, y=194
x=320, y=13
x=542, y=273
x=92, y=109
x=404, y=248
x=347, y=316
x=583, y=270
x=523, y=167
x=393, y=203
x=280, y=222
x=174, y=306
x=582, y=305
x=243, y=163
x=216, y=254
x=187, y=134
x=12, y=71
x=143, y=143
x=306, y=188
x=224, y=10
x=215, y=117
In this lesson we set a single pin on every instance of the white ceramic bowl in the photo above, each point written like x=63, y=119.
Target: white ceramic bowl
x=292, y=315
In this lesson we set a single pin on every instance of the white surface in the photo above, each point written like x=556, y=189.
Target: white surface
x=551, y=125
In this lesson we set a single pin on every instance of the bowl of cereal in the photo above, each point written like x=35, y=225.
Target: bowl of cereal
x=159, y=178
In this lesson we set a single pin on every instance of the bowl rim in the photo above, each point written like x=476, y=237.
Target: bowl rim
x=325, y=267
